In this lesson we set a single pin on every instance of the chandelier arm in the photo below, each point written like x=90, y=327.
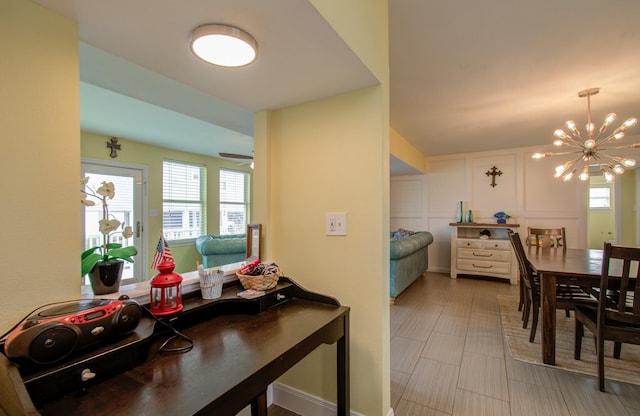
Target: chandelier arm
x=605, y=140
x=628, y=146
x=572, y=143
x=572, y=164
x=553, y=154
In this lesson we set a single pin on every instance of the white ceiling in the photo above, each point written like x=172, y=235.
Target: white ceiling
x=465, y=75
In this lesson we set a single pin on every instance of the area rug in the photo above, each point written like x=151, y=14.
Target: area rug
x=626, y=369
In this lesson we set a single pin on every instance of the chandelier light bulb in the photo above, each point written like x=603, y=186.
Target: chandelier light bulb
x=589, y=127
x=630, y=122
x=619, y=170
x=559, y=133
x=558, y=142
x=589, y=144
x=571, y=125
x=608, y=177
x=568, y=176
x=629, y=162
x=619, y=135
x=584, y=175
x=611, y=117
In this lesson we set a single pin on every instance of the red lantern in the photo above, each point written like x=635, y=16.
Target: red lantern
x=165, y=290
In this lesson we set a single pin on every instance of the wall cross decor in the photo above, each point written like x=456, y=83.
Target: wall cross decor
x=493, y=172
x=113, y=144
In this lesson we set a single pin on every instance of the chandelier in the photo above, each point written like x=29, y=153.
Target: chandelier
x=590, y=150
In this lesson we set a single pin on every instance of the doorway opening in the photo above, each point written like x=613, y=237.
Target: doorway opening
x=128, y=206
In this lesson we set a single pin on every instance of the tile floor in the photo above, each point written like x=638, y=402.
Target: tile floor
x=448, y=357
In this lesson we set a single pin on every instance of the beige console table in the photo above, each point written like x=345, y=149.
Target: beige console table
x=473, y=256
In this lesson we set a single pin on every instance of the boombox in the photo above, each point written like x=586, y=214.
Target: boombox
x=53, y=334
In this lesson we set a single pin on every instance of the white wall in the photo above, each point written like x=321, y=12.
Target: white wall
x=526, y=190
x=407, y=202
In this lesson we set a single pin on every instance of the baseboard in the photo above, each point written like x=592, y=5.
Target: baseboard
x=304, y=403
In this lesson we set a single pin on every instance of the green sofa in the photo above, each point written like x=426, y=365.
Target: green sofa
x=217, y=250
x=409, y=259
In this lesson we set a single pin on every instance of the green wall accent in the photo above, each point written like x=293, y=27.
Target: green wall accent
x=94, y=146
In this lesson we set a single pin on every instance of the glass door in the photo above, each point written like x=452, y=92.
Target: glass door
x=126, y=207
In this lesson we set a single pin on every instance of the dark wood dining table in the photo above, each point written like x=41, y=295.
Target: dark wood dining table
x=580, y=267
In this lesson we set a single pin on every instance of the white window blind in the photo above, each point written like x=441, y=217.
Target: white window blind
x=600, y=197
x=234, y=202
x=183, y=200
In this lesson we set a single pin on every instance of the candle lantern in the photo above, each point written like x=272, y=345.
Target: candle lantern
x=165, y=290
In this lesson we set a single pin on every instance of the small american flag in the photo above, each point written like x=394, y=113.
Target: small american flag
x=162, y=253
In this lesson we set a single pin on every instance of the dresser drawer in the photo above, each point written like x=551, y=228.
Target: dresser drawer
x=483, y=266
x=489, y=255
x=469, y=243
x=496, y=245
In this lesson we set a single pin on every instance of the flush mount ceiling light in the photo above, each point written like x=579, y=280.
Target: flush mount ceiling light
x=223, y=45
x=591, y=150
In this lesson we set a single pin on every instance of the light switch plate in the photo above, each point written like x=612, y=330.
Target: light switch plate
x=336, y=223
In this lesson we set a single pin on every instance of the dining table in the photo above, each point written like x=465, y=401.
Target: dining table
x=581, y=267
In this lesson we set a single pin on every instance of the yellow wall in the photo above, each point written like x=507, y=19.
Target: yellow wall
x=628, y=195
x=326, y=156
x=39, y=119
x=94, y=146
x=405, y=151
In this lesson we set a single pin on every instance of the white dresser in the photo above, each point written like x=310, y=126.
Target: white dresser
x=473, y=256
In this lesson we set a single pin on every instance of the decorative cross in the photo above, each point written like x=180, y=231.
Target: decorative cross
x=113, y=144
x=493, y=172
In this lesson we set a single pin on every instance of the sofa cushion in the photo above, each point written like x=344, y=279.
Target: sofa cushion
x=227, y=244
x=408, y=245
x=217, y=250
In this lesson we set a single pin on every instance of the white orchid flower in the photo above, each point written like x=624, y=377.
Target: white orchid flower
x=107, y=189
x=127, y=232
x=107, y=226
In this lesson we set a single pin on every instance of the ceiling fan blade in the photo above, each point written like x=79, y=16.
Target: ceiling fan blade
x=235, y=156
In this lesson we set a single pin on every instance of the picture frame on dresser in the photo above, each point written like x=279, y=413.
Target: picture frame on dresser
x=254, y=236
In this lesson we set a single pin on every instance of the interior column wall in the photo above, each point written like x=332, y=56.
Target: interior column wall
x=39, y=119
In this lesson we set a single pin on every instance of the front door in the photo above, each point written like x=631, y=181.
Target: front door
x=126, y=207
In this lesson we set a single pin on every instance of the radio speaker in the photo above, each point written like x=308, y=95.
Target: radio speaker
x=54, y=342
x=128, y=318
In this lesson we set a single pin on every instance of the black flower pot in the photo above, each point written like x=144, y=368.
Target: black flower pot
x=105, y=277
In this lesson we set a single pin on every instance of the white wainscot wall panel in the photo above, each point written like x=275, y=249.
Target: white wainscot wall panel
x=487, y=200
x=407, y=203
x=440, y=249
x=546, y=194
x=446, y=186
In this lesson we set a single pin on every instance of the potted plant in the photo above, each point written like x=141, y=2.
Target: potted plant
x=104, y=263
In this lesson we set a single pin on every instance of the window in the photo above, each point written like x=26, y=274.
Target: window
x=234, y=202
x=183, y=200
x=600, y=197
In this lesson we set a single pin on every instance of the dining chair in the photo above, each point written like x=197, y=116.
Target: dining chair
x=567, y=297
x=615, y=321
x=547, y=237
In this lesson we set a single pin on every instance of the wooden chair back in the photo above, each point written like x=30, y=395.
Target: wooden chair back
x=547, y=237
x=526, y=272
x=626, y=309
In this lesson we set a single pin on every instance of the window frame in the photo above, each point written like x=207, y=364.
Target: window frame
x=606, y=198
x=246, y=203
x=188, y=215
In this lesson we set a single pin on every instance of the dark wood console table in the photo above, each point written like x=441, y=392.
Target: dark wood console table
x=236, y=355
